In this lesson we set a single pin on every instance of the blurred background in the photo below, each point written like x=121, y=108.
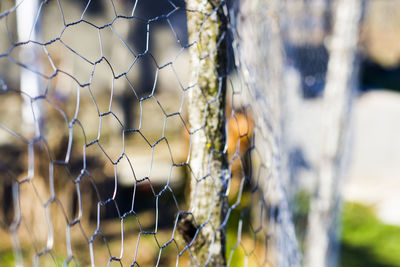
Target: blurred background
x=371, y=214
x=370, y=229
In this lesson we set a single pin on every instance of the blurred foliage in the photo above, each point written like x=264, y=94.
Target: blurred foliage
x=301, y=208
x=366, y=241
x=236, y=257
x=6, y=258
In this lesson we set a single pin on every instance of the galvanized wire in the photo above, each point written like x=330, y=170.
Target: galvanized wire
x=97, y=172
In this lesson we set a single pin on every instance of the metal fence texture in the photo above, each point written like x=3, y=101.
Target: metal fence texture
x=97, y=151
x=151, y=133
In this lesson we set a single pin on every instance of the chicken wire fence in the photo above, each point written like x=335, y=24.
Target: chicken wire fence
x=97, y=150
x=141, y=133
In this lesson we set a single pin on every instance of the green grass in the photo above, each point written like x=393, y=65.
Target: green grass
x=6, y=258
x=366, y=241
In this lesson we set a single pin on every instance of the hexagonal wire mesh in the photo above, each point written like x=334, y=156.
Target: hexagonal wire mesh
x=103, y=108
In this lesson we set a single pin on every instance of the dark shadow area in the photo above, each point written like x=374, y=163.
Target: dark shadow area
x=312, y=62
x=352, y=256
x=11, y=162
x=376, y=76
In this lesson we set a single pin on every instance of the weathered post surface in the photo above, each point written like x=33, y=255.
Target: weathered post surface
x=208, y=162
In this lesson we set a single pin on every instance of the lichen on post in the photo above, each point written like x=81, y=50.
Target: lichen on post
x=206, y=106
